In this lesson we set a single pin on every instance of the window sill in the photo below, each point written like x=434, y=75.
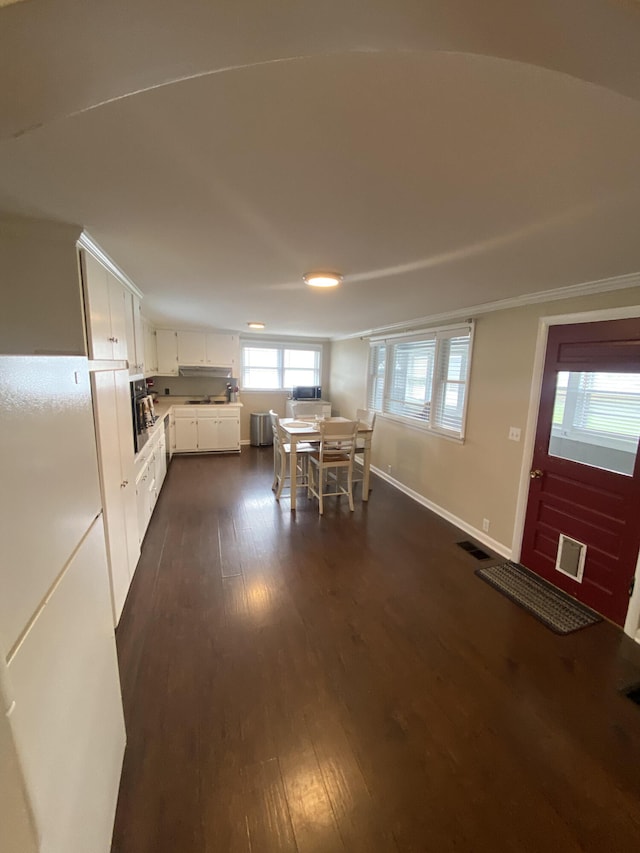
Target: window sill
x=412, y=424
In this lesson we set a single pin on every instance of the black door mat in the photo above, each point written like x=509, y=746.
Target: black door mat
x=473, y=549
x=552, y=607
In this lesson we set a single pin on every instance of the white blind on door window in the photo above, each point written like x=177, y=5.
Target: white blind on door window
x=608, y=403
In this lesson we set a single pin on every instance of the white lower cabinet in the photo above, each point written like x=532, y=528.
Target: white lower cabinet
x=151, y=470
x=209, y=429
x=186, y=433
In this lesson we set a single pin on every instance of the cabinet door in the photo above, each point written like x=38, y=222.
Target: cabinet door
x=150, y=349
x=128, y=497
x=161, y=463
x=51, y=491
x=138, y=333
x=106, y=412
x=186, y=434
x=167, y=346
x=207, y=433
x=191, y=349
x=68, y=721
x=96, y=288
x=228, y=434
x=221, y=350
x=117, y=311
x=142, y=503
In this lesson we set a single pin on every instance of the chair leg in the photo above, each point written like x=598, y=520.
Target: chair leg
x=281, y=476
x=310, y=480
x=350, y=487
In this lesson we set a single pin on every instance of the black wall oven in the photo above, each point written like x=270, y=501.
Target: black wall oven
x=142, y=413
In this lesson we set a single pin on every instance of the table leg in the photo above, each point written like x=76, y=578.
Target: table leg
x=366, y=464
x=293, y=472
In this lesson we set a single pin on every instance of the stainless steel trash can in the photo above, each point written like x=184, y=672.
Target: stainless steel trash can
x=260, y=432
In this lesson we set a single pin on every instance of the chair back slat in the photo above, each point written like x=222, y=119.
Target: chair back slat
x=337, y=440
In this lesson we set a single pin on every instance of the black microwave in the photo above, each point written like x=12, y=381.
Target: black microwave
x=306, y=392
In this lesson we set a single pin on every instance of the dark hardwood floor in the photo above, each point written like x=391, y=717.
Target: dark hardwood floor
x=348, y=684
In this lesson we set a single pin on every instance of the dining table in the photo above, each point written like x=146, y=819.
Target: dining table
x=308, y=430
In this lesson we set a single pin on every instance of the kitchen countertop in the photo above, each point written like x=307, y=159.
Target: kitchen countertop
x=164, y=404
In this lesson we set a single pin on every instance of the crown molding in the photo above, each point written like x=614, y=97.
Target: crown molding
x=87, y=242
x=621, y=282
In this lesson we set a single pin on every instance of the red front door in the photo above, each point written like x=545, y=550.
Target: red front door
x=585, y=488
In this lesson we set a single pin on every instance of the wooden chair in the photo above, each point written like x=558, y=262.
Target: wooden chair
x=281, y=459
x=335, y=455
x=363, y=416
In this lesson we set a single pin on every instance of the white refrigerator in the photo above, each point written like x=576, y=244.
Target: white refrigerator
x=61, y=722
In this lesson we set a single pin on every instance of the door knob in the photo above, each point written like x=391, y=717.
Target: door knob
x=535, y=474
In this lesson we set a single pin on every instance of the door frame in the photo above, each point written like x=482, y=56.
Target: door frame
x=632, y=622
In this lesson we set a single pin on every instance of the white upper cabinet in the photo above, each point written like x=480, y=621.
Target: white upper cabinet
x=222, y=350
x=106, y=311
x=150, y=349
x=191, y=348
x=195, y=349
x=167, y=351
x=134, y=334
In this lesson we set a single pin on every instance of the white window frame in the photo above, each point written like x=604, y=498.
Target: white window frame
x=280, y=347
x=440, y=335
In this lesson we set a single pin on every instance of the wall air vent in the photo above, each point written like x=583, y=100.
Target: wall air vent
x=570, y=558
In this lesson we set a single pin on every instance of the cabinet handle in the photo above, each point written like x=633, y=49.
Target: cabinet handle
x=113, y=340
x=124, y=484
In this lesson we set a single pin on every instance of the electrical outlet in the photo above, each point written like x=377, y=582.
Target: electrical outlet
x=514, y=433
x=388, y=469
x=485, y=525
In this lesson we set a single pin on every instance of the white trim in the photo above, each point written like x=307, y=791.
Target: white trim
x=605, y=285
x=496, y=546
x=632, y=622
x=424, y=334
x=88, y=243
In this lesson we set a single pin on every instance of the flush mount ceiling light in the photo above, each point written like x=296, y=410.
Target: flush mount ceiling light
x=255, y=325
x=322, y=278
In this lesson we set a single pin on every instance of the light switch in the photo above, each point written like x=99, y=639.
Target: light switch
x=514, y=433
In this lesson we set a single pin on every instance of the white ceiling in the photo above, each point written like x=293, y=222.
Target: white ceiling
x=441, y=155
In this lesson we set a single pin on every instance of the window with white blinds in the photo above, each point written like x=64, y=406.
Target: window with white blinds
x=422, y=378
x=276, y=366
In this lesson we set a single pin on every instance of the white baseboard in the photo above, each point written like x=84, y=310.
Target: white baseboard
x=480, y=535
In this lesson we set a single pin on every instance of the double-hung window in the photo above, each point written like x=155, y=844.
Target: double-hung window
x=273, y=366
x=422, y=378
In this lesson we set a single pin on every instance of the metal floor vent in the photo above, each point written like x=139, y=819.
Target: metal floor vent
x=633, y=693
x=474, y=550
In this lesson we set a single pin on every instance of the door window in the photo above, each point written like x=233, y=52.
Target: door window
x=596, y=419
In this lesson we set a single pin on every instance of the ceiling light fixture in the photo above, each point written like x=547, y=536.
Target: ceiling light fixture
x=322, y=279
x=255, y=325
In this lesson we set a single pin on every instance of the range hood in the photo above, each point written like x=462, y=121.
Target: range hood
x=205, y=371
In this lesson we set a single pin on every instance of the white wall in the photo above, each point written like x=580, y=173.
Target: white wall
x=479, y=478
x=41, y=311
